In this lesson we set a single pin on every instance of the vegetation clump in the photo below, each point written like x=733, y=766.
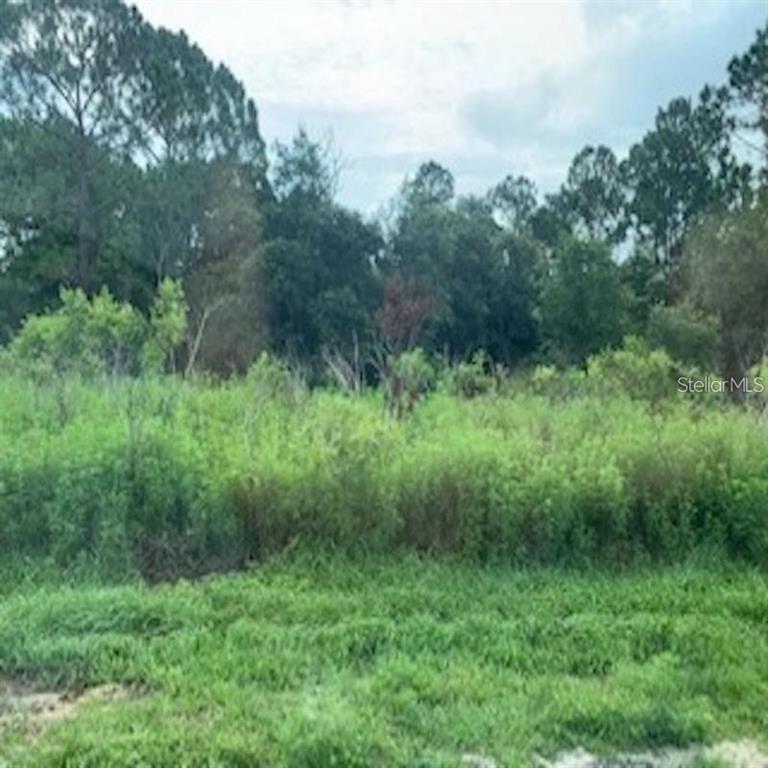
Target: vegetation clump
x=165, y=476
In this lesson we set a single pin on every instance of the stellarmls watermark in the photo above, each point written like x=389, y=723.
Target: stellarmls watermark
x=743, y=385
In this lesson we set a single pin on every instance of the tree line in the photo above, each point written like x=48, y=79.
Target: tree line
x=128, y=158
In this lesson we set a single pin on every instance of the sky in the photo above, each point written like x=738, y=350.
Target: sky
x=484, y=87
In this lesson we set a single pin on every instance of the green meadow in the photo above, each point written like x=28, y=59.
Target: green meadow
x=392, y=662
x=273, y=576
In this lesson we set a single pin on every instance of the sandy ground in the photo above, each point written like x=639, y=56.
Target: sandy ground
x=22, y=706
x=734, y=754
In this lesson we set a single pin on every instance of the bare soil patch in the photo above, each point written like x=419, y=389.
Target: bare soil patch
x=22, y=705
x=734, y=754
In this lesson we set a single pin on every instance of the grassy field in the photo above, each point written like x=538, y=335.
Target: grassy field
x=509, y=575
x=165, y=478
x=391, y=662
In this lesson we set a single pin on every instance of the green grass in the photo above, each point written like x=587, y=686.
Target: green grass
x=391, y=662
x=164, y=477
x=652, y=629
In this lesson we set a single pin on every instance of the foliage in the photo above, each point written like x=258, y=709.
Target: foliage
x=647, y=286
x=635, y=370
x=320, y=286
x=139, y=231
x=514, y=200
x=758, y=376
x=472, y=377
x=305, y=169
x=583, y=303
x=167, y=325
x=406, y=376
x=728, y=280
x=557, y=383
x=163, y=476
x=594, y=195
x=112, y=132
x=144, y=161
x=685, y=334
x=467, y=282
x=273, y=379
x=405, y=310
x=432, y=185
x=748, y=79
x=84, y=336
x=101, y=335
x=682, y=169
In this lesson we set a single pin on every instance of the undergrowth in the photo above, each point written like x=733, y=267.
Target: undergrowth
x=163, y=477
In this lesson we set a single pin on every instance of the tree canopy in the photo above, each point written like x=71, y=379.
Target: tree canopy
x=128, y=158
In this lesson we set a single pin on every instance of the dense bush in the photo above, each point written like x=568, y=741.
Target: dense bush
x=473, y=377
x=635, y=370
x=685, y=334
x=98, y=335
x=406, y=377
x=163, y=476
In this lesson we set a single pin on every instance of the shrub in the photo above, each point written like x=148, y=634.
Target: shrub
x=407, y=377
x=83, y=336
x=271, y=378
x=634, y=370
x=167, y=326
x=686, y=335
x=557, y=383
x=758, y=377
x=473, y=377
x=99, y=335
x=165, y=477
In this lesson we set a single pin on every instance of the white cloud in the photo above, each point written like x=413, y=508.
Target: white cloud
x=506, y=81
x=409, y=63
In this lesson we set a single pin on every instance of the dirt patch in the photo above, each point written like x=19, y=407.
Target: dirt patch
x=23, y=706
x=739, y=754
x=734, y=754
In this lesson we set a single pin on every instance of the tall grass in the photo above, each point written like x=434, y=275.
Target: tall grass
x=163, y=477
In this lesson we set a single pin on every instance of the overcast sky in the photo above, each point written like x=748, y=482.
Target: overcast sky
x=485, y=88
